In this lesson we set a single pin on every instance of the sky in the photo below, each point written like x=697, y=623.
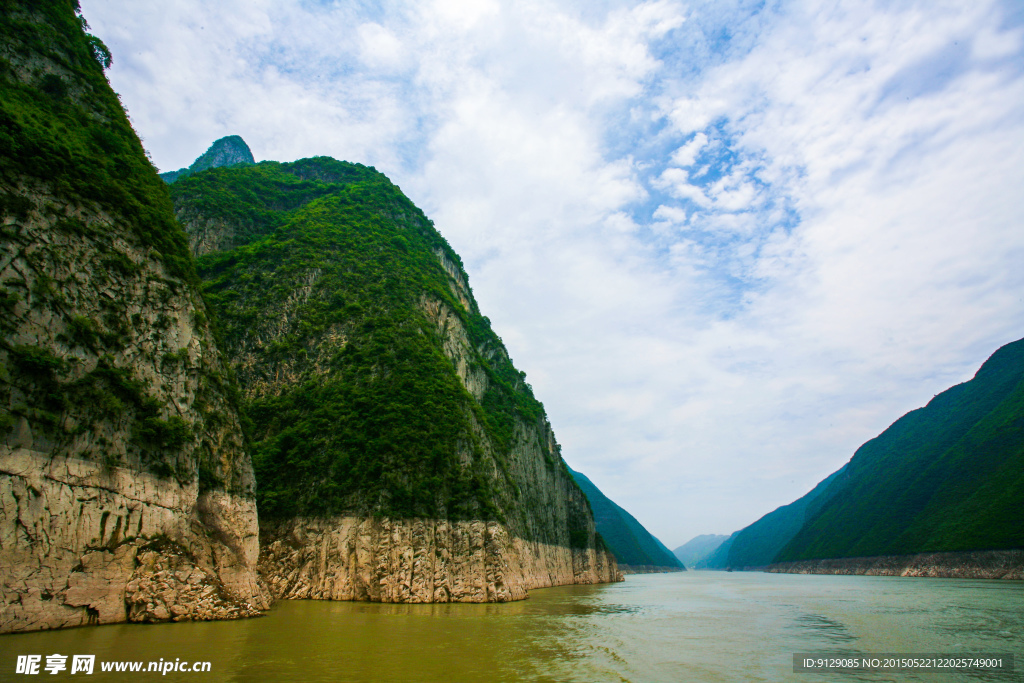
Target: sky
x=727, y=241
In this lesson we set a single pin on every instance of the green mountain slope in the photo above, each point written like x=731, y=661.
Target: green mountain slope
x=698, y=548
x=758, y=544
x=373, y=385
x=632, y=544
x=946, y=477
x=60, y=121
x=719, y=558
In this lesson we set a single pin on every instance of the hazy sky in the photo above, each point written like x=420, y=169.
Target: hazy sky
x=727, y=241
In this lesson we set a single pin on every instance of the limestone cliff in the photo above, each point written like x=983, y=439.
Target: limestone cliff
x=385, y=560
x=400, y=455
x=125, y=489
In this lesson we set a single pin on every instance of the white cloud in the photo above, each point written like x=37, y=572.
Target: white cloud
x=694, y=115
x=676, y=181
x=687, y=154
x=379, y=47
x=672, y=214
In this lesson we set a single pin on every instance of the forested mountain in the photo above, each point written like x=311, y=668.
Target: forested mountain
x=636, y=549
x=719, y=557
x=374, y=390
x=758, y=544
x=396, y=444
x=946, y=477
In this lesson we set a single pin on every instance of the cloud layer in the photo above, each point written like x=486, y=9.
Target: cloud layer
x=727, y=245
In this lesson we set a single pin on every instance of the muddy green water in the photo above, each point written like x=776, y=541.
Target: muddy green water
x=694, y=626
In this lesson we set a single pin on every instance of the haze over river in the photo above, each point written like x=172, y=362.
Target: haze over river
x=693, y=626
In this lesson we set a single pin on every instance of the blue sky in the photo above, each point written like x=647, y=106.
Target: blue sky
x=728, y=242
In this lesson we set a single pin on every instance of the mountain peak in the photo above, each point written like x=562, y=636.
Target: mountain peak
x=230, y=150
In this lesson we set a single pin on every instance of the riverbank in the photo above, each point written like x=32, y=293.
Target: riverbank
x=648, y=569
x=982, y=564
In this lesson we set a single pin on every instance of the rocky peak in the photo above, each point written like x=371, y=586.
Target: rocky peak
x=227, y=151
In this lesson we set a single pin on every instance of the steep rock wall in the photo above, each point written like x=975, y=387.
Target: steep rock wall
x=383, y=560
x=125, y=490
x=112, y=417
x=429, y=560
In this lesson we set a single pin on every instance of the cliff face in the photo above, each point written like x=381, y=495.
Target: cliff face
x=420, y=560
x=400, y=455
x=125, y=489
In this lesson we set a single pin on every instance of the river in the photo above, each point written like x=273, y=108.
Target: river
x=692, y=626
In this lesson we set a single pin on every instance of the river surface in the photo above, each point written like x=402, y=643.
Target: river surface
x=692, y=626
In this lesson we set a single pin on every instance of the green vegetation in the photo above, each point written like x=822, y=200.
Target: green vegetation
x=628, y=540
x=758, y=544
x=105, y=393
x=327, y=284
x=949, y=476
x=719, y=558
x=66, y=145
x=69, y=130
x=351, y=403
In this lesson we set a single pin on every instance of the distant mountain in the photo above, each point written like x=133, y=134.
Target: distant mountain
x=946, y=477
x=635, y=548
x=719, y=559
x=226, y=152
x=758, y=544
x=698, y=548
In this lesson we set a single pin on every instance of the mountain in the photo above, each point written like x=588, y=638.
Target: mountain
x=126, y=489
x=400, y=455
x=758, y=544
x=634, y=547
x=948, y=477
x=227, y=151
x=719, y=557
x=698, y=548
x=937, y=493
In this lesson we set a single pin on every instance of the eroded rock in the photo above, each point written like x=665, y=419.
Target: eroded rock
x=418, y=561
